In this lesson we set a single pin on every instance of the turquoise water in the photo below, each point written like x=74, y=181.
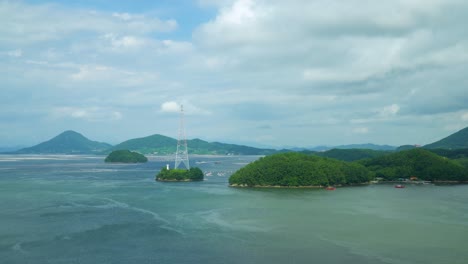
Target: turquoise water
x=77, y=209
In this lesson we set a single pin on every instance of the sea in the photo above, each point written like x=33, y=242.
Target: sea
x=78, y=209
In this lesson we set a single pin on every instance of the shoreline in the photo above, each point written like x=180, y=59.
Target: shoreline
x=347, y=185
x=171, y=180
x=425, y=182
x=296, y=187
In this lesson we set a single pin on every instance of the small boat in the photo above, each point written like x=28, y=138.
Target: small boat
x=330, y=188
x=399, y=186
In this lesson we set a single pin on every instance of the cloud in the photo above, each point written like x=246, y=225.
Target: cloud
x=189, y=108
x=318, y=72
x=361, y=130
x=464, y=117
x=123, y=16
x=124, y=41
x=170, y=107
x=15, y=53
x=90, y=114
x=390, y=110
x=37, y=23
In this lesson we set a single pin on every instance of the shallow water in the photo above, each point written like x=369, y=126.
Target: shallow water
x=77, y=209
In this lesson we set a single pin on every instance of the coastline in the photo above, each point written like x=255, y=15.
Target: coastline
x=424, y=182
x=296, y=187
x=174, y=180
x=341, y=185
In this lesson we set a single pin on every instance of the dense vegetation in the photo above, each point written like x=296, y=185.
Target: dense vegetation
x=297, y=169
x=68, y=142
x=451, y=153
x=125, y=156
x=194, y=174
x=457, y=140
x=420, y=163
x=351, y=154
x=405, y=147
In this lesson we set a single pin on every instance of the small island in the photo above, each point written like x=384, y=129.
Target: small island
x=125, y=156
x=193, y=174
x=300, y=170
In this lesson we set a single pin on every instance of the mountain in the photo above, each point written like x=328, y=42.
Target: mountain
x=159, y=144
x=366, y=146
x=154, y=144
x=68, y=142
x=351, y=154
x=202, y=147
x=457, y=140
x=318, y=148
x=351, y=146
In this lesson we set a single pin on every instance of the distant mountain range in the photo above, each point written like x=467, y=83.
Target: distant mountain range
x=71, y=142
x=159, y=144
x=351, y=146
x=366, y=146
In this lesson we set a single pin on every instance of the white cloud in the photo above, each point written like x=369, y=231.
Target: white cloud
x=90, y=114
x=390, y=110
x=333, y=75
x=125, y=41
x=15, y=53
x=123, y=16
x=464, y=116
x=88, y=72
x=37, y=23
x=170, y=107
x=361, y=130
x=189, y=108
x=240, y=12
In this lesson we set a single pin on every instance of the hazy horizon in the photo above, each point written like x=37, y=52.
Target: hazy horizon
x=259, y=73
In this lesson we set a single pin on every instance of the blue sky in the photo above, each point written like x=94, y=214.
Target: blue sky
x=264, y=73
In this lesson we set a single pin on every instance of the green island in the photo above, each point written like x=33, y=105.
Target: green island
x=301, y=170
x=125, y=156
x=294, y=169
x=193, y=174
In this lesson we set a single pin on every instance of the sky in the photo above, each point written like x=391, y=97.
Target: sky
x=270, y=73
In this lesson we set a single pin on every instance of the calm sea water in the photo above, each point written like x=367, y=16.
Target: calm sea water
x=77, y=209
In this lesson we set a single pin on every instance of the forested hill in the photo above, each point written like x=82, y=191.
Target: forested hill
x=457, y=140
x=297, y=169
x=68, y=142
x=351, y=154
x=159, y=144
x=420, y=163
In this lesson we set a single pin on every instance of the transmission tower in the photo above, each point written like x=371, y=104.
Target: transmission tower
x=182, y=151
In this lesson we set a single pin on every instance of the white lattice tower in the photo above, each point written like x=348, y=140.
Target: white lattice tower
x=182, y=150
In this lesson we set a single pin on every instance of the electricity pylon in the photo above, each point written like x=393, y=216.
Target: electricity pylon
x=182, y=150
